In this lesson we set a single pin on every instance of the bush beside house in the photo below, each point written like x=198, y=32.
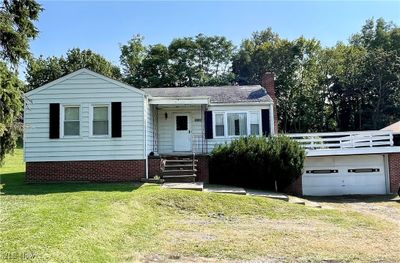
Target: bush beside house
x=257, y=162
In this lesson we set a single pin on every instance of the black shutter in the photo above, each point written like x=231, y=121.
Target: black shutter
x=54, y=121
x=116, y=120
x=396, y=139
x=208, y=124
x=266, y=125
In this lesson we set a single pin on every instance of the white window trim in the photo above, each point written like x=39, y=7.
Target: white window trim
x=259, y=122
x=91, y=120
x=62, y=115
x=225, y=113
x=214, y=124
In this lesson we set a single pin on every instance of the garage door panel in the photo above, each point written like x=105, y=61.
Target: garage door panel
x=365, y=184
x=319, y=191
x=344, y=175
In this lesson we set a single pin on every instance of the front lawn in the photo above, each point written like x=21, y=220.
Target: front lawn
x=129, y=223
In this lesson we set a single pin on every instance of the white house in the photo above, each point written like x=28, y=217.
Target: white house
x=87, y=127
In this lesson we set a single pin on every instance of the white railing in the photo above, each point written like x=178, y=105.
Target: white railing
x=343, y=140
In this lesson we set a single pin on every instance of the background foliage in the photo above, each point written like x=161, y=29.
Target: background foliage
x=43, y=70
x=16, y=30
x=351, y=86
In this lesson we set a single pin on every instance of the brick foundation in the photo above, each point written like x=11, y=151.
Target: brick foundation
x=394, y=172
x=89, y=171
x=154, y=166
x=202, y=168
x=296, y=188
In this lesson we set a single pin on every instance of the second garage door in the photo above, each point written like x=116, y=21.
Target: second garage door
x=344, y=175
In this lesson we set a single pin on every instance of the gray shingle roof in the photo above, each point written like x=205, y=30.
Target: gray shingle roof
x=221, y=94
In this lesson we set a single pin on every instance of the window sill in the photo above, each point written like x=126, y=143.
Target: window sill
x=100, y=136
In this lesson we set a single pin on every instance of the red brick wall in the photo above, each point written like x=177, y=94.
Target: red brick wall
x=296, y=187
x=154, y=166
x=394, y=171
x=268, y=83
x=92, y=171
x=202, y=168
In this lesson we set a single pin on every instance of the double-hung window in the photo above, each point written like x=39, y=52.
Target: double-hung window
x=101, y=120
x=219, y=125
x=71, y=121
x=254, y=123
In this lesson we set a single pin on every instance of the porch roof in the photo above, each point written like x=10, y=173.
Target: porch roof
x=215, y=94
x=180, y=100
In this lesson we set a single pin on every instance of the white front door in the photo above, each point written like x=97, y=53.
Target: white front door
x=344, y=175
x=183, y=136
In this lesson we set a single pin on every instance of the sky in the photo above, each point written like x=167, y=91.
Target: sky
x=103, y=25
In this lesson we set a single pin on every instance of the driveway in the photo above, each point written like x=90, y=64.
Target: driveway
x=380, y=206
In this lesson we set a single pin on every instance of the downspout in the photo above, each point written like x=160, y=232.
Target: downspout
x=146, y=102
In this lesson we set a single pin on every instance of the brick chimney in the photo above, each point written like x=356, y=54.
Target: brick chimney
x=268, y=83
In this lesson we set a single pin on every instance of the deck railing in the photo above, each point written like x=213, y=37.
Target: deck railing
x=343, y=140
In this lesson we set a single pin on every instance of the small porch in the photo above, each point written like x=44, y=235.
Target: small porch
x=178, y=126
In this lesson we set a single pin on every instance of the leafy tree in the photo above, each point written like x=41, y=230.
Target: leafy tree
x=11, y=106
x=352, y=86
x=132, y=55
x=187, y=61
x=43, y=70
x=296, y=64
x=363, y=78
x=16, y=30
x=155, y=69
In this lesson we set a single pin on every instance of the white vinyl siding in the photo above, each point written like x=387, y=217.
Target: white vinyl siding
x=86, y=90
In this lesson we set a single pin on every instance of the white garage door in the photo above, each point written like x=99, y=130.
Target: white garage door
x=344, y=175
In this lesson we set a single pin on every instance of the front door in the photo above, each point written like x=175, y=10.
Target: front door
x=183, y=136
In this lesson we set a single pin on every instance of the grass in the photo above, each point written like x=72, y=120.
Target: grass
x=135, y=222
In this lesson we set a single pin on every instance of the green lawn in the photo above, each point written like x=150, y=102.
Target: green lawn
x=130, y=223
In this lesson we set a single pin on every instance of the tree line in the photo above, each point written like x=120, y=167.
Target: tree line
x=350, y=86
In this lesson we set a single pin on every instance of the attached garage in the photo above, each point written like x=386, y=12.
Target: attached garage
x=344, y=175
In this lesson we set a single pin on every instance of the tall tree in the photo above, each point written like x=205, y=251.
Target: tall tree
x=132, y=56
x=16, y=30
x=363, y=77
x=188, y=61
x=42, y=70
x=296, y=65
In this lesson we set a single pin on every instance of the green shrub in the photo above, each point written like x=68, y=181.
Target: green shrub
x=257, y=162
